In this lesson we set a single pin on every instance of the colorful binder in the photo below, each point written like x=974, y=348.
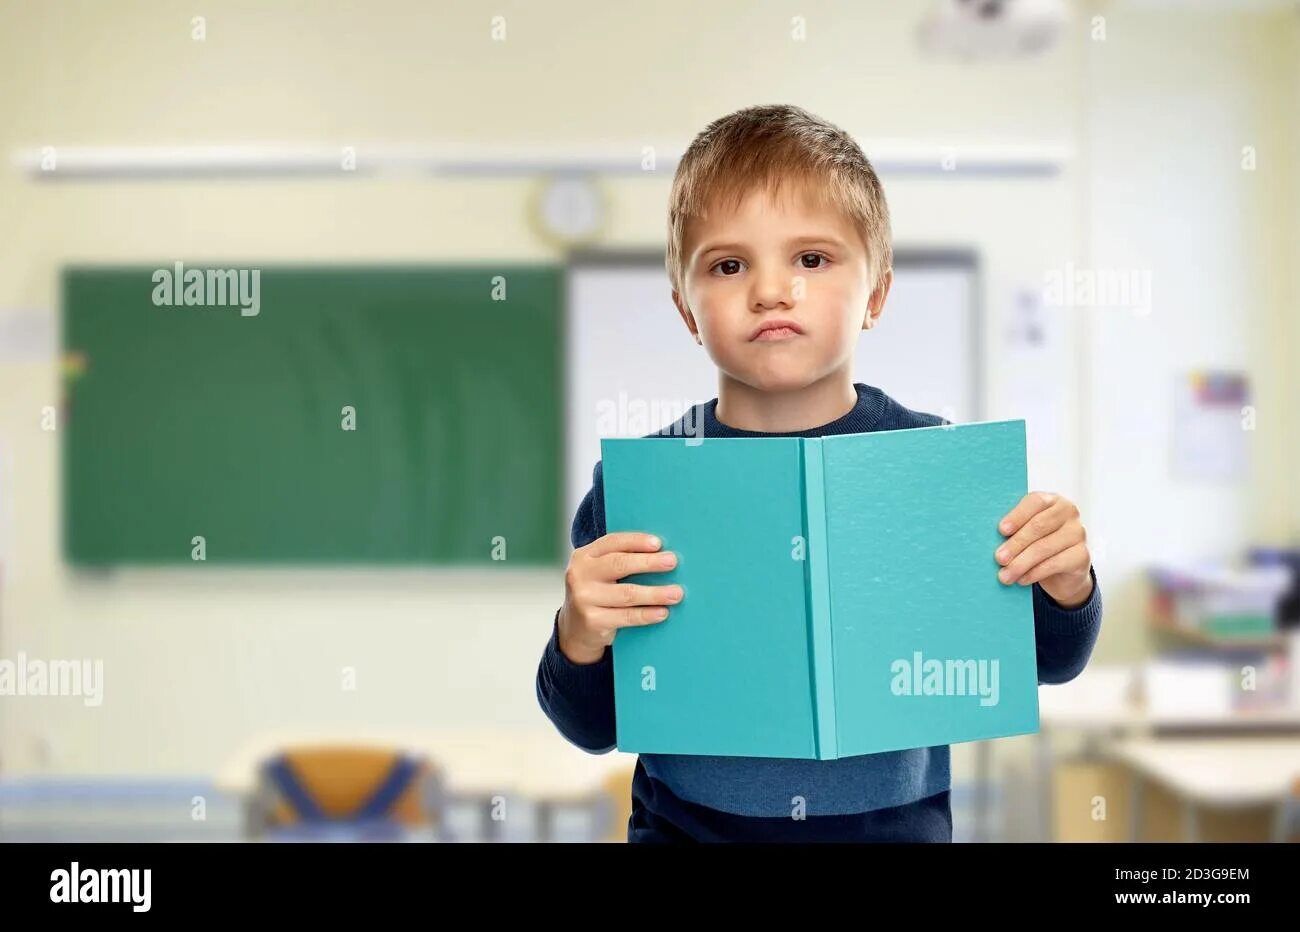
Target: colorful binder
x=841, y=595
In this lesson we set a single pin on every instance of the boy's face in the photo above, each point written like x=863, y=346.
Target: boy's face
x=782, y=259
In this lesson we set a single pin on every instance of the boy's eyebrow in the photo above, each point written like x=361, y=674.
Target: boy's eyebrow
x=795, y=241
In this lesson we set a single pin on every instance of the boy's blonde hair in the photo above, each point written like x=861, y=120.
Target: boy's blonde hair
x=766, y=146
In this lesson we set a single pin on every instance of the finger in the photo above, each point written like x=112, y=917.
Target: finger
x=1025, y=509
x=633, y=617
x=1042, y=549
x=620, y=564
x=623, y=540
x=1067, y=561
x=1039, y=525
x=632, y=595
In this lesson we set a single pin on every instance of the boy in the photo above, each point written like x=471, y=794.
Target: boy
x=779, y=256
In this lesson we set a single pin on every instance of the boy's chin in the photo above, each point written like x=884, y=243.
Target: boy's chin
x=795, y=379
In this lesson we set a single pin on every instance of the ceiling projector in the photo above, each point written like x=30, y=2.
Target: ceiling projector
x=975, y=29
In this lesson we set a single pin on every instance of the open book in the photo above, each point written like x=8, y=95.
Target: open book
x=841, y=595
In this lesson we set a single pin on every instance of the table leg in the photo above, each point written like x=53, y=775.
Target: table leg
x=1135, y=805
x=1191, y=824
x=602, y=809
x=1043, y=755
x=492, y=828
x=982, y=753
x=545, y=812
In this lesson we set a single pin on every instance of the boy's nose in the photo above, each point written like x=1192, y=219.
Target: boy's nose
x=773, y=290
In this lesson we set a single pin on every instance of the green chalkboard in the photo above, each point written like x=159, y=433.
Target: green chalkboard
x=350, y=415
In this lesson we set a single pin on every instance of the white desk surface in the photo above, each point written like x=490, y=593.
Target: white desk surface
x=1135, y=718
x=1216, y=771
x=477, y=762
x=1102, y=699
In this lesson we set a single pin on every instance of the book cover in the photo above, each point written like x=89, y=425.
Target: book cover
x=841, y=595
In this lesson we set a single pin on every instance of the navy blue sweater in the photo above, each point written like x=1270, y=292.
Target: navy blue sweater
x=895, y=795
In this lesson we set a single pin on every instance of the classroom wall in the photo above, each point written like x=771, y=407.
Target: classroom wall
x=1172, y=104
x=1289, y=318
x=196, y=660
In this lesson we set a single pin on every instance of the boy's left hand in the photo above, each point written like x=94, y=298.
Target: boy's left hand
x=1047, y=545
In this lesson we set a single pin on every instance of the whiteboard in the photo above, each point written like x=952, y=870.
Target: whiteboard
x=633, y=367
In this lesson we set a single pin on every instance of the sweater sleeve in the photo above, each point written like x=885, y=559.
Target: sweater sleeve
x=578, y=698
x=1065, y=636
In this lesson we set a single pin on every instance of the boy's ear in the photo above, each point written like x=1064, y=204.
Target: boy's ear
x=876, y=303
x=687, y=316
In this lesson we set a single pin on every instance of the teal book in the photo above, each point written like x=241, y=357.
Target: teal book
x=840, y=593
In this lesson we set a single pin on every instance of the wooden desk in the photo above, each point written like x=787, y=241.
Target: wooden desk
x=1220, y=772
x=1098, y=707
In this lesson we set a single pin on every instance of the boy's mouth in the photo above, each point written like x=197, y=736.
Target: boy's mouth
x=773, y=330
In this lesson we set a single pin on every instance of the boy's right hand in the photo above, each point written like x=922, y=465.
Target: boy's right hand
x=596, y=604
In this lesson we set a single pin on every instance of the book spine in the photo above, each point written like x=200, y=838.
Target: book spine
x=818, y=601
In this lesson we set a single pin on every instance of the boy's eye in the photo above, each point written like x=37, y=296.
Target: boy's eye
x=728, y=267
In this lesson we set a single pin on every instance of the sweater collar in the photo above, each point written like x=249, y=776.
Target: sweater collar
x=862, y=418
